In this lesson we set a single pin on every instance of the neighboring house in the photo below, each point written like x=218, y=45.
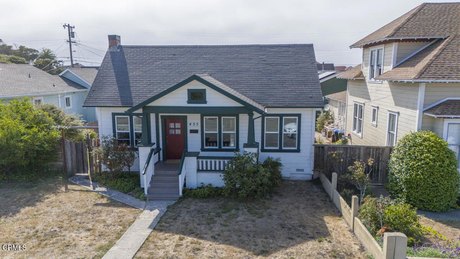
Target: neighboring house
x=337, y=104
x=327, y=74
x=409, y=79
x=83, y=76
x=201, y=104
x=23, y=80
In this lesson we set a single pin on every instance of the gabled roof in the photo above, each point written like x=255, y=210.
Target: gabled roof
x=17, y=80
x=446, y=108
x=270, y=75
x=354, y=73
x=86, y=73
x=426, y=21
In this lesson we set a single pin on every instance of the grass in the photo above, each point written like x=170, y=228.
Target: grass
x=52, y=223
x=124, y=182
x=299, y=221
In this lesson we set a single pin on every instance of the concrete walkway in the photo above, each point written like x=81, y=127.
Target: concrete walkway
x=132, y=240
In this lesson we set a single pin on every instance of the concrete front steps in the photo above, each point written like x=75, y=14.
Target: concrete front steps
x=165, y=183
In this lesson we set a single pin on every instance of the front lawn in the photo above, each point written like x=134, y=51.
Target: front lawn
x=54, y=224
x=299, y=221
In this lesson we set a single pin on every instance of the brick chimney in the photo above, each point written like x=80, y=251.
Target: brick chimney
x=114, y=42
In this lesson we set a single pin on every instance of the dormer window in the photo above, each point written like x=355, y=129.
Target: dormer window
x=196, y=96
x=376, y=63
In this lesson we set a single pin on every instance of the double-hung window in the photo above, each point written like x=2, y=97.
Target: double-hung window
x=137, y=130
x=220, y=132
x=358, y=113
x=281, y=133
x=123, y=129
x=127, y=129
x=453, y=138
x=392, y=128
x=228, y=132
x=68, y=101
x=376, y=63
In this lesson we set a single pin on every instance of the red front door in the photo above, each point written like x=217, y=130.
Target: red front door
x=175, y=137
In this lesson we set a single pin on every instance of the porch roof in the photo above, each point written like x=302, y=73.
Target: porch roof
x=448, y=108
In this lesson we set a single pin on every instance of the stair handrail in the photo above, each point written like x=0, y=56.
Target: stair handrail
x=147, y=162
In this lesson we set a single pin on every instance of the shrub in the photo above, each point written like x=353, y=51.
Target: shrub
x=115, y=156
x=324, y=119
x=383, y=214
x=423, y=172
x=28, y=139
x=244, y=178
x=123, y=182
x=359, y=176
x=205, y=191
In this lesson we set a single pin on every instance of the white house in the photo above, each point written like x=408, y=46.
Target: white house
x=188, y=109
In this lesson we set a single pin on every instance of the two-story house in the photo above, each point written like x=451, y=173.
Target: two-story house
x=409, y=79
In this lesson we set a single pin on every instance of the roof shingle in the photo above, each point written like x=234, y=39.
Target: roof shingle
x=271, y=75
x=448, y=108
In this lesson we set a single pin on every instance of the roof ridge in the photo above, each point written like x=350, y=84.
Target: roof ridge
x=219, y=45
x=442, y=47
x=416, y=11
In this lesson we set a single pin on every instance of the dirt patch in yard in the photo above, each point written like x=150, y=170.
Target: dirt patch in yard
x=299, y=221
x=54, y=224
x=448, y=228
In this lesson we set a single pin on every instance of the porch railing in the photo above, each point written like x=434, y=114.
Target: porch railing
x=147, y=174
x=213, y=163
x=187, y=162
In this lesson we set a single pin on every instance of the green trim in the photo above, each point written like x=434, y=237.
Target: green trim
x=191, y=91
x=186, y=81
x=146, y=140
x=251, y=131
x=219, y=134
x=163, y=131
x=131, y=126
x=280, y=148
x=229, y=110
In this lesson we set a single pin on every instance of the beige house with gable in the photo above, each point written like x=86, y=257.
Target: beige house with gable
x=409, y=79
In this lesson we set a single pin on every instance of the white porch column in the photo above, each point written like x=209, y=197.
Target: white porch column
x=191, y=180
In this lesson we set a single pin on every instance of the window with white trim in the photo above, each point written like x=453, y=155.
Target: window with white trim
x=342, y=109
x=137, y=130
x=122, y=129
x=453, y=139
x=358, y=112
x=68, y=101
x=376, y=63
x=374, y=115
x=228, y=132
x=272, y=132
x=211, y=131
x=392, y=128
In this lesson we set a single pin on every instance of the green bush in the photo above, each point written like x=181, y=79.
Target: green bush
x=28, y=139
x=423, y=172
x=123, y=182
x=325, y=118
x=384, y=213
x=244, y=178
x=203, y=192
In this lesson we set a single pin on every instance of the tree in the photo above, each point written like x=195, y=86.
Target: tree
x=359, y=177
x=26, y=53
x=28, y=139
x=47, y=61
x=115, y=156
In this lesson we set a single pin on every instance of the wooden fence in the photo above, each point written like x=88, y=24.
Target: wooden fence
x=79, y=157
x=337, y=158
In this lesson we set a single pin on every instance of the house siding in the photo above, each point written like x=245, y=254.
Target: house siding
x=437, y=92
x=387, y=97
x=407, y=48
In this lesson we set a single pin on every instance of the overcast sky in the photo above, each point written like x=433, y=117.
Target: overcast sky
x=331, y=25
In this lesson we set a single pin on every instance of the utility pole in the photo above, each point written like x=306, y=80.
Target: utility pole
x=71, y=35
